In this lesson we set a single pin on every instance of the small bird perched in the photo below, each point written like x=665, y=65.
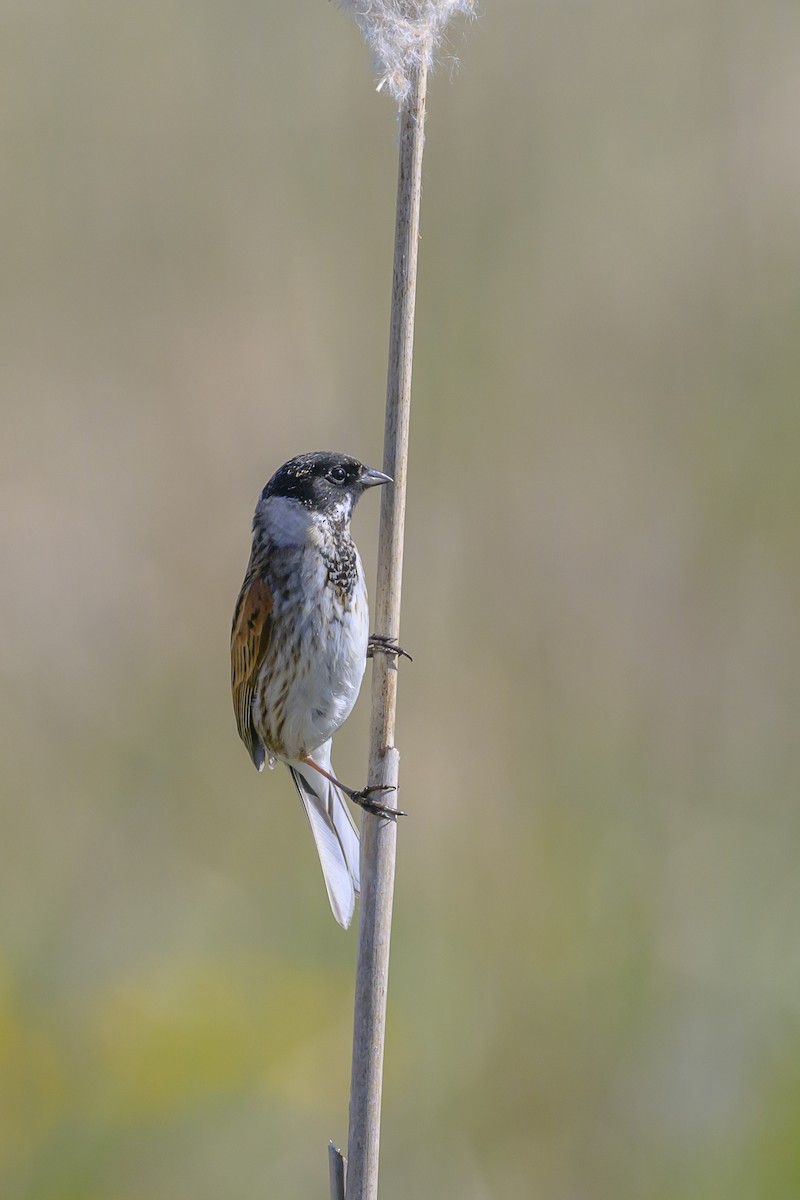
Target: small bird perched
x=299, y=647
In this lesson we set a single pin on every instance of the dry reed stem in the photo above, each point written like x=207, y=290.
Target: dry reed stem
x=379, y=835
x=336, y=1171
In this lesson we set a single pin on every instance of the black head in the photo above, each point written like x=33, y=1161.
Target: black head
x=324, y=481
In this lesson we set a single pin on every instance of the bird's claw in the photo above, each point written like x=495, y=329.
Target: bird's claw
x=386, y=645
x=363, y=799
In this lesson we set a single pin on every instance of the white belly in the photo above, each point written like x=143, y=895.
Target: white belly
x=316, y=695
x=323, y=695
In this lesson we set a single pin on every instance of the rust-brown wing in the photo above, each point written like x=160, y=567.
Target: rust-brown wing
x=250, y=637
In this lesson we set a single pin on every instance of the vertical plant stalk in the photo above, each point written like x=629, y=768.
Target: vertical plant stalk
x=336, y=1172
x=379, y=835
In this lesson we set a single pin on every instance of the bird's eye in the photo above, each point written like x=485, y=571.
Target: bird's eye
x=337, y=474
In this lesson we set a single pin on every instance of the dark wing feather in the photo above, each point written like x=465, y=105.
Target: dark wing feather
x=250, y=637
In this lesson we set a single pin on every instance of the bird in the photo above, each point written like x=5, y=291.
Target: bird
x=299, y=647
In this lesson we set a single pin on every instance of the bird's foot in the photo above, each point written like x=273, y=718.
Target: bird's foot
x=363, y=799
x=386, y=645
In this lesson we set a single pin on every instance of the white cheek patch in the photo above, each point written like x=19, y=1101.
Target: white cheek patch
x=289, y=524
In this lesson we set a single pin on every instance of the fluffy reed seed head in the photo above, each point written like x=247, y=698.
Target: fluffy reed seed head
x=403, y=35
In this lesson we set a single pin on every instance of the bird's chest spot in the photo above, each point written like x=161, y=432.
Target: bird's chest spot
x=341, y=564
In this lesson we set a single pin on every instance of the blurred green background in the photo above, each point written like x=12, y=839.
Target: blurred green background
x=596, y=971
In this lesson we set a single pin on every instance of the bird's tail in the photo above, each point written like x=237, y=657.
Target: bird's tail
x=335, y=833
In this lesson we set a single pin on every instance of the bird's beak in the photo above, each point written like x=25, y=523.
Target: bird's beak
x=371, y=478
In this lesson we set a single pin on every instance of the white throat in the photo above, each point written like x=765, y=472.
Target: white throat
x=288, y=523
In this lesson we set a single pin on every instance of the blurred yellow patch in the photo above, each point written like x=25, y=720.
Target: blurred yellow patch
x=191, y=1032
x=33, y=1090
